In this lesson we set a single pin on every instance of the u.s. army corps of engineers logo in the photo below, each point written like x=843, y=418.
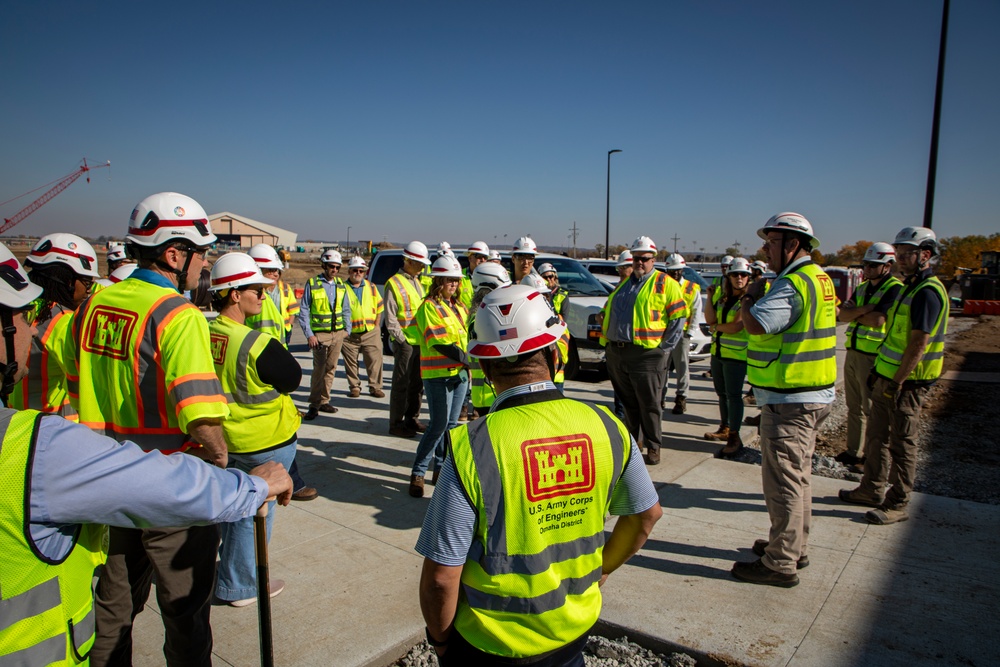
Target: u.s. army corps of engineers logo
x=219, y=344
x=109, y=332
x=558, y=466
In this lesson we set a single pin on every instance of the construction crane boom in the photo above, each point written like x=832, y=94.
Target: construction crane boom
x=60, y=185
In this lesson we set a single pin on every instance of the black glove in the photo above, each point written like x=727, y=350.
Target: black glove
x=892, y=391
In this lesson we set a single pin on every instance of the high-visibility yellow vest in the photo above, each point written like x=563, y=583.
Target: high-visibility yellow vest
x=426, y=279
x=408, y=298
x=562, y=357
x=690, y=291
x=802, y=358
x=480, y=390
x=289, y=304
x=259, y=416
x=729, y=345
x=890, y=355
x=44, y=387
x=559, y=297
x=269, y=320
x=323, y=318
x=365, y=311
x=540, y=477
x=440, y=323
x=465, y=291
x=139, y=366
x=46, y=609
x=659, y=300
x=861, y=337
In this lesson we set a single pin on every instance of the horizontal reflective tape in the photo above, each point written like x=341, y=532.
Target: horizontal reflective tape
x=734, y=342
x=52, y=650
x=931, y=356
x=30, y=603
x=761, y=355
x=891, y=354
x=83, y=631
x=435, y=331
x=192, y=388
x=537, y=605
x=264, y=324
x=530, y=564
x=677, y=305
x=478, y=381
x=808, y=355
x=255, y=399
x=808, y=335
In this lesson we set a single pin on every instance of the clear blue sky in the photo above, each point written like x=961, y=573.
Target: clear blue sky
x=472, y=120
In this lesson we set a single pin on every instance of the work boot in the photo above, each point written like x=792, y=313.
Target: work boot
x=464, y=416
x=721, y=434
x=355, y=392
x=758, y=573
x=311, y=413
x=680, y=405
x=734, y=445
x=749, y=399
x=417, y=486
x=401, y=431
x=859, y=497
x=886, y=514
x=414, y=425
x=376, y=392
x=752, y=421
x=651, y=457
x=328, y=409
x=848, y=459
x=759, y=547
x=305, y=493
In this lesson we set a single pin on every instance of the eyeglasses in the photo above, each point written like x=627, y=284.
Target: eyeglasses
x=335, y=267
x=523, y=258
x=357, y=270
x=258, y=290
x=644, y=260
x=550, y=276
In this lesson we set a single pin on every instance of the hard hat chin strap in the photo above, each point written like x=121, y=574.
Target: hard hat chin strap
x=9, y=369
x=182, y=273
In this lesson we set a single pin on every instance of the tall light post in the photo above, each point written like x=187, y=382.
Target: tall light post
x=348, y=239
x=607, y=207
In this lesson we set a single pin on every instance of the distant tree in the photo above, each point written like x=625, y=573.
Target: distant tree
x=760, y=255
x=963, y=251
x=616, y=250
x=852, y=253
x=733, y=250
x=599, y=250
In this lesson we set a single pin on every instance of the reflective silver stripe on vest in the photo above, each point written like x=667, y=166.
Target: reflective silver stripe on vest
x=808, y=355
x=265, y=324
x=540, y=604
x=617, y=445
x=738, y=343
x=808, y=335
x=242, y=392
x=32, y=602
x=47, y=652
x=892, y=355
x=150, y=387
x=762, y=355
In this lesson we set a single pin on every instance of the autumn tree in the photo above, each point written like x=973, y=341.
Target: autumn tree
x=852, y=253
x=963, y=251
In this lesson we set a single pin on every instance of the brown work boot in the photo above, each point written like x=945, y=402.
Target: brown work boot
x=752, y=421
x=722, y=433
x=886, y=514
x=651, y=457
x=859, y=497
x=401, y=431
x=464, y=417
x=760, y=546
x=758, y=573
x=414, y=425
x=354, y=392
x=734, y=445
x=680, y=405
x=376, y=392
x=417, y=486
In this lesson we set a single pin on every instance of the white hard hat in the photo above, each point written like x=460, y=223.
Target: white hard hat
x=67, y=249
x=726, y=261
x=331, y=257
x=122, y=272
x=789, y=222
x=494, y=255
x=417, y=251
x=478, y=248
x=266, y=257
x=740, y=265
x=675, y=262
x=536, y=282
x=546, y=268
x=922, y=237
x=643, y=244
x=759, y=265
x=16, y=291
x=625, y=258
x=446, y=267
x=357, y=262
x=116, y=252
x=525, y=246
x=444, y=245
x=169, y=216
x=236, y=269
x=490, y=274
x=447, y=252
x=512, y=321
x=880, y=253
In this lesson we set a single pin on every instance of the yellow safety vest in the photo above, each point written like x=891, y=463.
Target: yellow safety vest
x=260, y=417
x=365, y=311
x=440, y=323
x=690, y=291
x=481, y=391
x=802, y=358
x=408, y=298
x=44, y=387
x=323, y=318
x=729, y=345
x=465, y=291
x=540, y=477
x=289, y=304
x=659, y=300
x=562, y=348
x=139, y=366
x=863, y=338
x=46, y=608
x=890, y=355
x=269, y=320
x=559, y=300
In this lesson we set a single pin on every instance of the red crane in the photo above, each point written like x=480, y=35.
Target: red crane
x=59, y=186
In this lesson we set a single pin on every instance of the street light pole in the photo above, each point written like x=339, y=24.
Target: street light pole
x=348, y=239
x=607, y=207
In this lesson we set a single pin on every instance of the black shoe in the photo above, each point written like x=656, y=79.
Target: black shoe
x=414, y=425
x=760, y=545
x=752, y=421
x=327, y=408
x=310, y=414
x=758, y=573
x=680, y=405
x=849, y=459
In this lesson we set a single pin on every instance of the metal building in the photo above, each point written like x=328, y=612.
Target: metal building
x=239, y=231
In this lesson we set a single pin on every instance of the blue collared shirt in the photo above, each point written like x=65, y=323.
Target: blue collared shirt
x=305, y=305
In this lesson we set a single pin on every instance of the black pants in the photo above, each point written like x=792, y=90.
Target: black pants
x=404, y=395
x=637, y=374
x=461, y=653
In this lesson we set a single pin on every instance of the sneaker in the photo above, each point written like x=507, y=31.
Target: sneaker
x=758, y=573
x=857, y=497
x=887, y=514
x=305, y=493
x=274, y=587
x=417, y=486
x=377, y=393
x=310, y=414
x=720, y=434
x=759, y=546
x=414, y=425
x=354, y=392
x=327, y=408
x=680, y=405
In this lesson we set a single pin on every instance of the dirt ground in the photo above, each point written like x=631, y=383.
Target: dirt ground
x=959, y=453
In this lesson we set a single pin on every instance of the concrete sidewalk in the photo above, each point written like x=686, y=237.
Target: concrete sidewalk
x=921, y=592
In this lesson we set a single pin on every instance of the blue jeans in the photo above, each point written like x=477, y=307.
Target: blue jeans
x=237, y=570
x=445, y=397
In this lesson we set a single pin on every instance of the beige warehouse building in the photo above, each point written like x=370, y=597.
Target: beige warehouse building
x=239, y=231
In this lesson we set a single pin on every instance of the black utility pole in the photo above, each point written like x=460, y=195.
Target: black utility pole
x=607, y=209
x=936, y=129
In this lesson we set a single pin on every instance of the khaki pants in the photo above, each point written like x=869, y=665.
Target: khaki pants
x=857, y=366
x=369, y=345
x=325, y=358
x=787, y=440
x=891, y=443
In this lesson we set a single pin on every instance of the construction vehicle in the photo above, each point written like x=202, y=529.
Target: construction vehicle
x=60, y=185
x=283, y=254
x=982, y=283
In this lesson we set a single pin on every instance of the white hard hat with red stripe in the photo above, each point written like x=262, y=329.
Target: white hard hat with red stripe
x=266, y=257
x=525, y=246
x=166, y=217
x=417, y=251
x=331, y=257
x=122, y=272
x=16, y=291
x=789, y=222
x=625, y=258
x=357, y=262
x=446, y=267
x=236, y=269
x=675, y=262
x=880, y=253
x=478, y=248
x=922, y=237
x=536, y=282
x=726, y=261
x=740, y=265
x=490, y=274
x=643, y=244
x=67, y=249
x=116, y=252
x=512, y=321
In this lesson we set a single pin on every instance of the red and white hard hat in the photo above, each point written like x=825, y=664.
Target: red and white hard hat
x=546, y=268
x=880, y=253
x=789, y=222
x=446, y=267
x=726, y=261
x=922, y=237
x=536, y=282
x=331, y=257
x=266, y=257
x=444, y=245
x=758, y=266
x=169, y=216
x=740, y=265
x=490, y=274
x=525, y=246
x=494, y=256
x=512, y=321
x=357, y=262
x=236, y=269
x=643, y=244
x=116, y=252
x=68, y=249
x=417, y=251
x=478, y=248
x=625, y=258
x=16, y=291
x=675, y=262
x=122, y=272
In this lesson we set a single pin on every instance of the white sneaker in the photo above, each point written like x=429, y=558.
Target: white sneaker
x=275, y=587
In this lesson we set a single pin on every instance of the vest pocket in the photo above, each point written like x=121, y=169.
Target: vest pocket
x=81, y=634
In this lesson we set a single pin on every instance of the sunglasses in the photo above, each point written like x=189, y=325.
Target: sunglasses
x=258, y=290
x=644, y=260
x=357, y=270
